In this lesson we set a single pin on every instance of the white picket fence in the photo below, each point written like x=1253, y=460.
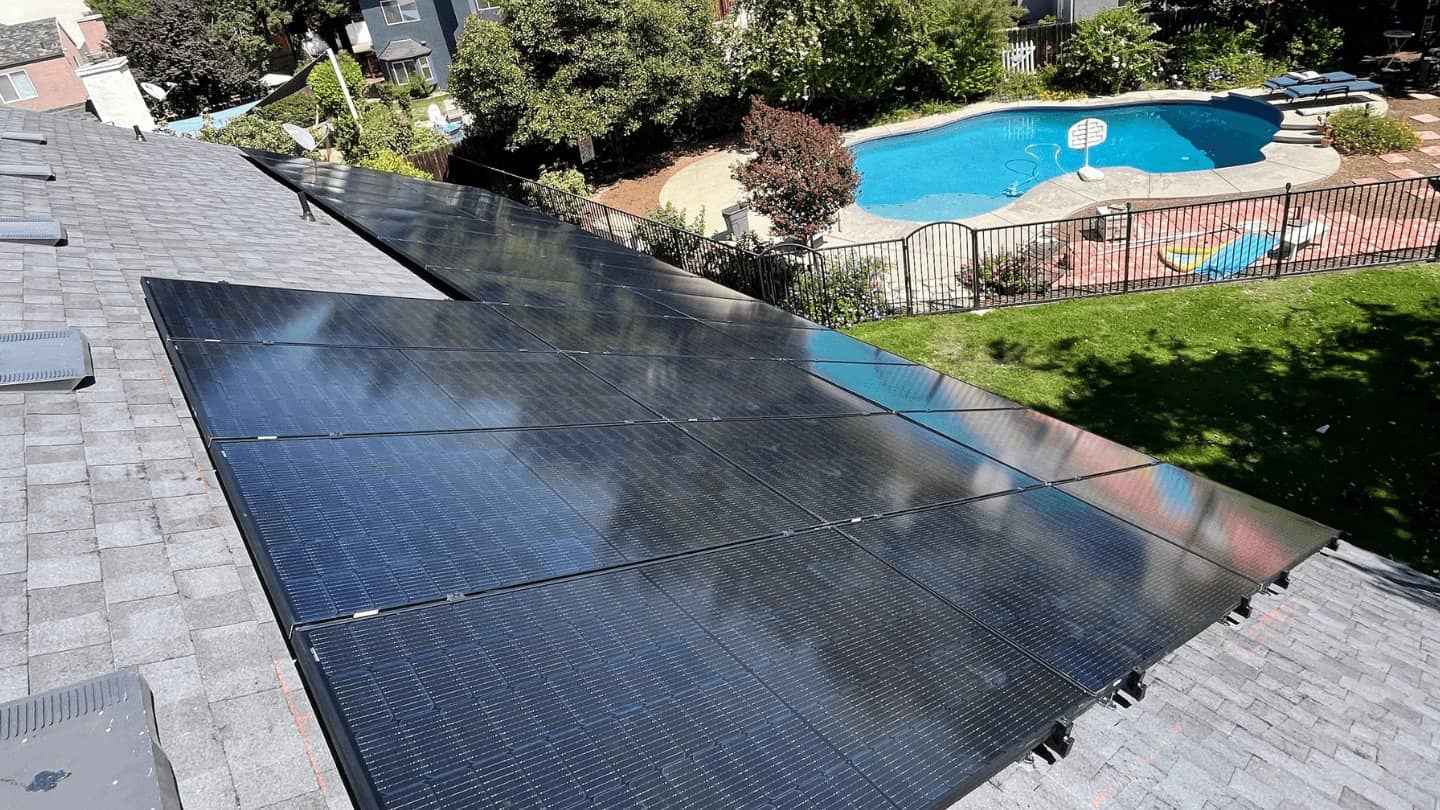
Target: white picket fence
x=1034, y=46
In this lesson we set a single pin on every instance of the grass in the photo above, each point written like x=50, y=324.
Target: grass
x=420, y=107
x=1236, y=382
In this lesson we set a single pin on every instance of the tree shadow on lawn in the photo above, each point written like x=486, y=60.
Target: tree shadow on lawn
x=1250, y=418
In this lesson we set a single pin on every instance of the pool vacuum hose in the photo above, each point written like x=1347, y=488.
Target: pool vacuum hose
x=1016, y=188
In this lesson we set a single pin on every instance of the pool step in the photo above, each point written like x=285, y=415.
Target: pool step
x=1295, y=136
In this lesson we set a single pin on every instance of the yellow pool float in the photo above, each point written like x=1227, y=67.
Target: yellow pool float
x=1186, y=258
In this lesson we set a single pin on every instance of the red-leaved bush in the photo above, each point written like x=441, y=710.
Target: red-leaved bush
x=802, y=174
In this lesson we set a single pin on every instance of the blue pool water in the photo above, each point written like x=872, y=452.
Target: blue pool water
x=963, y=169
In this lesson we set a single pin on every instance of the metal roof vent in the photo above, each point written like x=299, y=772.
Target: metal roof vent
x=91, y=744
x=37, y=171
x=26, y=137
x=31, y=231
x=44, y=361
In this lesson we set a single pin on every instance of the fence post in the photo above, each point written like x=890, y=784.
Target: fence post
x=905, y=264
x=1284, y=223
x=609, y=226
x=1129, y=227
x=974, y=265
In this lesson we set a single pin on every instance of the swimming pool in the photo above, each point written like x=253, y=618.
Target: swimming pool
x=963, y=169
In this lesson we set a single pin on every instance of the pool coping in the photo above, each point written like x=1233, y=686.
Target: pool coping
x=1063, y=196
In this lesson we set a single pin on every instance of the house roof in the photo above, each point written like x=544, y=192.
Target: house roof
x=29, y=41
x=400, y=49
x=117, y=548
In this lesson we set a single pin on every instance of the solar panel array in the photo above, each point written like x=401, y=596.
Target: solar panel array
x=610, y=534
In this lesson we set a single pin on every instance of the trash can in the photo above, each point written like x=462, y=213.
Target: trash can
x=737, y=220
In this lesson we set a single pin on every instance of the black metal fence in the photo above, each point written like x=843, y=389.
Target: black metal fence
x=948, y=266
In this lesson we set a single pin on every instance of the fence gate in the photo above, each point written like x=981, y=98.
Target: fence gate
x=936, y=264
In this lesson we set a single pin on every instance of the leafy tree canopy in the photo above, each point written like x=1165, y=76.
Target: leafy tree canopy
x=1112, y=52
x=328, y=95
x=197, y=50
x=251, y=131
x=558, y=71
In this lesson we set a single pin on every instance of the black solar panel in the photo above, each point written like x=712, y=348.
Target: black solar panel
x=1034, y=443
x=493, y=288
x=1091, y=595
x=599, y=692
x=348, y=525
x=709, y=308
x=709, y=388
x=247, y=390
x=526, y=390
x=801, y=674
x=1245, y=534
x=444, y=324
x=805, y=344
x=626, y=334
x=652, y=490
x=845, y=467
x=908, y=387
x=195, y=310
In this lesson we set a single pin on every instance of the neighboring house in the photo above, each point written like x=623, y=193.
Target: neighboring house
x=1065, y=10
x=37, y=67
x=417, y=37
x=68, y=12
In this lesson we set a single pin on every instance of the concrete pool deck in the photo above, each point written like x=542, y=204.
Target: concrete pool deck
x=707, y=183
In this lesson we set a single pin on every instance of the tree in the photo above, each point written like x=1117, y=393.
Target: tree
x=1112, y=52
x=828, y=55
x=328, y=95
x=196, y=50
x=251, y=131
x=960, y=58
x=558, y=71
x=387, y=160
x=801, y=175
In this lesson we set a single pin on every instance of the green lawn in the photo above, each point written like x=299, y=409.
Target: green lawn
x=420, y=107
x=1234, y=383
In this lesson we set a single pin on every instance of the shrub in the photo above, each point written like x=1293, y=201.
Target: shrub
x=417, y=87
x=570, y=181
x=960, y=57
x=802, y=173
x=1356, y=132
x=1215, y=58
x=1112, y=52
x=328, y=95
x=1010, y=274
x=386, y=160
x=392, y=93
x=250, y=132
x=297, y=108
x=842, y=294
x=384, y=128
x=1041, y=84
x=675, y=217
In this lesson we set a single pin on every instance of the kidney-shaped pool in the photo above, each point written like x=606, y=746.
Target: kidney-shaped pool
x=979, y=164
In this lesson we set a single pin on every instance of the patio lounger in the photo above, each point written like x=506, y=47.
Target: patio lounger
x=1300, y=91
x=1307, y=77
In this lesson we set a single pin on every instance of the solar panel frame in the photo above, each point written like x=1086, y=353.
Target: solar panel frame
x=1040, y=446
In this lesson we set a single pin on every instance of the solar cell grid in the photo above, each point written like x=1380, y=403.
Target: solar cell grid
x=1034, y=443
x=243, y=390
x=652, y=490
x=1099, y=597
x=413, y=322
x=852, y=466
x=908, y=387
x=500, y=389
x=713, y=388
x=709, y=308
x=805, y=344
x=491, y=288
x=384, y=521
x=626, y=334
x=192, y=310
x=1242, y=533
x=564, y=695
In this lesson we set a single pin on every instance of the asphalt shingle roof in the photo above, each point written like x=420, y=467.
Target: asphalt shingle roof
x=28, y=41
x=117, y=548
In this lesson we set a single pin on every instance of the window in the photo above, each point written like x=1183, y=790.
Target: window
x=477, y=6
x=400, y=11
x=400, y=72
x=423, y=66
x=16, y=86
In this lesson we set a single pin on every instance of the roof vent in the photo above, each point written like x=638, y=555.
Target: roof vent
x=27, y=137
x=31, y=231
x=37, y=171
x=57, y=360
x=91, y=744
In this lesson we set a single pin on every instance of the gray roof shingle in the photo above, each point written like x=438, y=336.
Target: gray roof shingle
x=29, y=41
x=117, y=548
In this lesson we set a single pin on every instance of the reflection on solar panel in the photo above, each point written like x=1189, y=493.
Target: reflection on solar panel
x=614, y=535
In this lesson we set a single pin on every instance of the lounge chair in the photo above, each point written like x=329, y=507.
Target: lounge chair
x=1308, y=77
x=1307, y=91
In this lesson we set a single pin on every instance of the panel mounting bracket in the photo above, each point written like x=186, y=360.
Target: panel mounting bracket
x=1135, y=685
x=1061, y=740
